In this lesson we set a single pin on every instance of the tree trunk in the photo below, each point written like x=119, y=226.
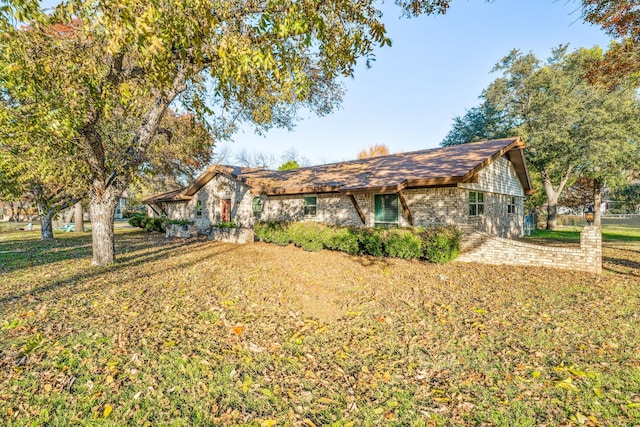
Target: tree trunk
x=68, y=217
x=552, y=210
x=552, y=196
x=78, y=222
x=597, y=203
x=101, y=210
x=14, y=212
x=46, y=224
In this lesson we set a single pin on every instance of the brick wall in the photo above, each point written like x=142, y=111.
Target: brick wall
x=488, y=249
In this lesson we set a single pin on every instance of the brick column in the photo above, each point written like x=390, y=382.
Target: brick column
x=591, y=246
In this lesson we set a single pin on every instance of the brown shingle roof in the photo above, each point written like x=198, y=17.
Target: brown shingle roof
x=425, y=168
x=168, y=196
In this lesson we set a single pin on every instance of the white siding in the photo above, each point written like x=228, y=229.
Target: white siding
x=499, y=177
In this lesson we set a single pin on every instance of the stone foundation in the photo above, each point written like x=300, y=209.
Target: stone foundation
x=232, y=235
x=183, y=231
x=488, y=249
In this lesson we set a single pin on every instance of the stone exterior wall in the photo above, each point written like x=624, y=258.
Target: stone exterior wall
x=184, y=231
x=331, y=208
x=211, y=195
x=232, y=235
x=488, y=249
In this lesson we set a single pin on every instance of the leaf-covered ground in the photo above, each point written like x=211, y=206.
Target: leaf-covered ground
x=190, y=332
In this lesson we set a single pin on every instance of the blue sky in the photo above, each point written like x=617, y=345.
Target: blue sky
x=435, y=70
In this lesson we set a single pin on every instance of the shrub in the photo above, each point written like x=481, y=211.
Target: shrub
x=226, y=224
x=137, y=218
x=370, y=240
x=181, y=222
x=401, y=243
x=341, y=239
x=148, y=224
x=441, y=245
x=307, y=235
x=156, y=224
x=272, y=232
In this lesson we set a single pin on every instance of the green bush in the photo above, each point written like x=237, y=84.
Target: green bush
x=402, y=243
x=148, y=224
x=226, y=224
x=155, y=224
x=272, y=232
x=307, y=235
x=370, y=240
x=181, y=222
x=341, y=239
x=137, y=218
x=441, y=245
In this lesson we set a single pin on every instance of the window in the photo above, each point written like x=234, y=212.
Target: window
x=256, y=205
x=310, y=205
x=511, y=205
x=476, y=203
x=199, y=208
x=386, y=209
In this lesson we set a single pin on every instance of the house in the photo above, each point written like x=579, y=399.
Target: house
x=478, y=186
x=121, y=206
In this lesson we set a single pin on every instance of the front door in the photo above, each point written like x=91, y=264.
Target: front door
x=226, y=210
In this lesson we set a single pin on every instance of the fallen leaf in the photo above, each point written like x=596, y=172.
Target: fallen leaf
x=107, y=410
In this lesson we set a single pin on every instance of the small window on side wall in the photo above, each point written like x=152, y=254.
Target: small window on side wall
x=310, y=205
x=256, y=205
x=511, y=205
x=476, y=203
x=199, y=208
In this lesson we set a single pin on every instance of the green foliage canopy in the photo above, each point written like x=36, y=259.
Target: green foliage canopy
x=289, y=165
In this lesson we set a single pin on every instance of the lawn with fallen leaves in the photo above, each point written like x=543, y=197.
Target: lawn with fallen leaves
x=192, y=332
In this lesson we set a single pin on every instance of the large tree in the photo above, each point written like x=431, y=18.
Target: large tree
x=480, y=123
x=92, y=61
x=51, y=180
x=571, y=127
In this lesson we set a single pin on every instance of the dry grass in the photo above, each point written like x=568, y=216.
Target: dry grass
x=200, y=333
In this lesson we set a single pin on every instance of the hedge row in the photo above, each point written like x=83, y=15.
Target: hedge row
x=439, y=245
x=148, y=224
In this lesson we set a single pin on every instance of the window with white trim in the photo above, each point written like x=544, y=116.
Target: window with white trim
x=476, y=203
x=310, y=205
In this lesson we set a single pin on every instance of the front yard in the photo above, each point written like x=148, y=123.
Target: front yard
x=191, y=332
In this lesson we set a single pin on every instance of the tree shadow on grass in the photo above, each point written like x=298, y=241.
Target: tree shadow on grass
x=370, y=261
x=27, y=253
x=75, y=282
x=626, y=266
